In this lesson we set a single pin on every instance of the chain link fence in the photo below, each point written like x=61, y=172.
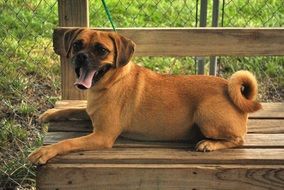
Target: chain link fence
x=29, y=84
x=232, y=13
x=30, y=70
x=270, y=69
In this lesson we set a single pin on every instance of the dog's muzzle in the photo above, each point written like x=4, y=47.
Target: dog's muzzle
x=87, y=78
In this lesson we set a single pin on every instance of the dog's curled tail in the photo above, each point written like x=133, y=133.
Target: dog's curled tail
x=242, y=87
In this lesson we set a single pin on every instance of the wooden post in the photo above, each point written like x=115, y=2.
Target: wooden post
x=73, y=13
x=215, y=16
x=203, y=20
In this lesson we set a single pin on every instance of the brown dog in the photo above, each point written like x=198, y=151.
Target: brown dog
x=128, y=100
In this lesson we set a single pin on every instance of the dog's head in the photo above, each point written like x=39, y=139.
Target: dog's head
x=94, y=53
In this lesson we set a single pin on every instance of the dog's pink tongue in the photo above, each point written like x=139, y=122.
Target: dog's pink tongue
x=85, y=78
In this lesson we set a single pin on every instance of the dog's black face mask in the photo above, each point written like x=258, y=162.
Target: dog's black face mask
x=89, y=62
x=94, y=53
x=87, y=65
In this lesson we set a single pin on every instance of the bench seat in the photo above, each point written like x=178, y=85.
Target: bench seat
x=259, y=164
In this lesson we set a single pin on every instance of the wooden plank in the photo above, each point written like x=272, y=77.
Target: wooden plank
x=263, y=126
x=270, y=110
x=71, y=13
x=257, y=156
x=200, y=41
x=251, y=141
x=159, y=176
x=70, y=103
x=70, y=126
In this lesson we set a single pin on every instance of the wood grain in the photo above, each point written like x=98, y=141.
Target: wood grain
x=70, y=103
x=159, y=176
x=70, y=13
x=70, y=126
x=255, y=156
x=201, y=41
x=270, y=110
x=266, y=126
x=251, y=141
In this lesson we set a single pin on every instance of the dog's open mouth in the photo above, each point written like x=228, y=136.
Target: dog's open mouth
x=87, y=78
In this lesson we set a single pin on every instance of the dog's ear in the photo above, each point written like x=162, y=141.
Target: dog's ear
x=69, y=37
x=124, y=49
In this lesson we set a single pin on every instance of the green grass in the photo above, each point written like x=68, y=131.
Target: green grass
x=29, y=84
x=14, y=168
x=30, y=70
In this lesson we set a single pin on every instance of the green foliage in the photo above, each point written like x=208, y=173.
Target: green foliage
x=254, y=13
x=29, y=83
x=14, y=145
x=144, y=13
x=11, y=131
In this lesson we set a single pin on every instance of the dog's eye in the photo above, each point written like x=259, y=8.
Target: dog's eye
x=101, y=51
x=77, y=46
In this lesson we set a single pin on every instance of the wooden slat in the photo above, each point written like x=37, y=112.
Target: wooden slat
x=200, y=41
x=71, y=13
x=174, y=156
x=264, y=126
x=252, y=141
x=70, y=103
x=159, y=176
x=254, y=126
x=270, y=110
x=70, y=126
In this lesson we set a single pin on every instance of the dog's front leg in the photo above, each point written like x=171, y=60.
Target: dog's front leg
x=93, y=141
x=63, y=114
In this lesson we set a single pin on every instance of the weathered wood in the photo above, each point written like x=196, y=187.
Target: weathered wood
x=201, y=41
x=159, y=176
x=251, y=141
x=70, y=126
x=71, y=13
x=254, y=126
x=254, y=156
x=270, y=110
x=266, y=126
x=70, y=103
x=169, y=165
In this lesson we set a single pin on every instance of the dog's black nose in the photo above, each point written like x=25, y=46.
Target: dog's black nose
x=82, y=57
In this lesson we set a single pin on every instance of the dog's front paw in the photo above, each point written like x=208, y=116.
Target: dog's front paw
x=47, y=116
x=42, y=155
x=205, y=146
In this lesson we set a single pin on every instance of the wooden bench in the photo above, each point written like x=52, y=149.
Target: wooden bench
x=259, y=164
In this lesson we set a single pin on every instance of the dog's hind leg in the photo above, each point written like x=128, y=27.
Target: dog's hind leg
x=222, y=126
